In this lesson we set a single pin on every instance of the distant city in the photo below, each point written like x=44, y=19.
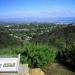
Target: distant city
x=35, y=19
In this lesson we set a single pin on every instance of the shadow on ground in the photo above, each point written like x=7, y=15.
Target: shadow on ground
x=57, y=69
x=70, y=67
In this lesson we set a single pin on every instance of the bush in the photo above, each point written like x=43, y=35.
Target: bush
x=38, y=55
x=67, y=56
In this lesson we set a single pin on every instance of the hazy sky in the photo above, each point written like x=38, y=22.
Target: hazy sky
x=37, y=8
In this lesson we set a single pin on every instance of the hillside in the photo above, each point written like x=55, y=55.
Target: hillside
x=63, y=38
x=7, y=40
x=49, y=42
x=58, y=36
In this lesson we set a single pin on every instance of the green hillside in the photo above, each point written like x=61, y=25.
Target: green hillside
x=6, y=39
x=40, y=44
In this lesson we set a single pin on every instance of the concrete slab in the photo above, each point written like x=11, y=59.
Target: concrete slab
x=23, y=70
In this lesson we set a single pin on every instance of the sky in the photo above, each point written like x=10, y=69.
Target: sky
x=37, y=8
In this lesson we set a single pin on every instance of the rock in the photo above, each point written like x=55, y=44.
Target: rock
x=36, y=71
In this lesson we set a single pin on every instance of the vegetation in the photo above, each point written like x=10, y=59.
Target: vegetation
x=39, y=43
x=38, y=55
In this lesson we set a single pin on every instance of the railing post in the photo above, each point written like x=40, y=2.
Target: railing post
x=18, y=61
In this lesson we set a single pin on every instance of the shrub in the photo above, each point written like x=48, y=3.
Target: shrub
x=67, y=56
x=38, y=55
